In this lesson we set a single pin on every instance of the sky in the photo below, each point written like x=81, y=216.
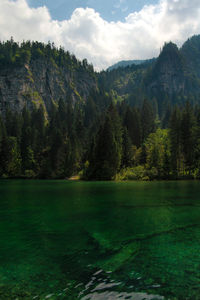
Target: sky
x=110, y=10
x=103, y=31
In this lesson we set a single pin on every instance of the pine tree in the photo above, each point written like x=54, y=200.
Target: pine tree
x=158, y=152
x=175, y=140
x=13, y=166
x=26, y=138
x=127, y=150
x=106, y=161
x=3, y=148
x=197, y=144
x=147, y=119
x=133, y=125
x=187, y=136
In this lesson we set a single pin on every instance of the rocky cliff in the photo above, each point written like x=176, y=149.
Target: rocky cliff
x=42, y=81
x=174, y=77
x=168, y=73
x=36, y=74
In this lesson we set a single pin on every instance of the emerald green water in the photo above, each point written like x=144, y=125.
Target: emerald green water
x=99, y=240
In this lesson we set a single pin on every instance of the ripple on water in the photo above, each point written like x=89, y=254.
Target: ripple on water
x=121, y=296
x=100, y=288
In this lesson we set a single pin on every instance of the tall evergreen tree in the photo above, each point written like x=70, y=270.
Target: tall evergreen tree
x=147, y=119
x=127, y=150
x=13, y=166
x=133, y=125
x=175, y=140
x=106, y=161
x=187, y=136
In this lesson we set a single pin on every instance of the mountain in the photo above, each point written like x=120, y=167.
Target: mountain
x=174, y=77
x=126, y=63
x=60, y=118
x=191, y=52
x=167, y=74
x=36, y=74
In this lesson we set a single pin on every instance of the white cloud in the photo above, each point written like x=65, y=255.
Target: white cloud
x=103, y=43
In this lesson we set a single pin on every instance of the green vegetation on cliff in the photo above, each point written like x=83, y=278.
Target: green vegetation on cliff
x=59, y=118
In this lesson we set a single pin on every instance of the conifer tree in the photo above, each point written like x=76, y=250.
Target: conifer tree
x=187, y=136
x=175, y=140
x=127, y=150
x=106, y=160
x=26, y=139
x=147, y=119
x=133, y=125
x=13, y=166
x=3, y=148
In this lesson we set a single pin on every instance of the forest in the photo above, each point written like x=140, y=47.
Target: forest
x=120, y=143
x=105, y=137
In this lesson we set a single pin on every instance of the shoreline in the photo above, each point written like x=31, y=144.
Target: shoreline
x=76, y=178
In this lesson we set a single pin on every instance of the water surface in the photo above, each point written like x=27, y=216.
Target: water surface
x=99, y=240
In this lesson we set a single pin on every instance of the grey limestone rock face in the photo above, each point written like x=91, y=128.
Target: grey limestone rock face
x=42, y=82
x=168, y=72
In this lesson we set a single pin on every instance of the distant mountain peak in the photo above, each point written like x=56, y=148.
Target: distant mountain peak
x=126, y=63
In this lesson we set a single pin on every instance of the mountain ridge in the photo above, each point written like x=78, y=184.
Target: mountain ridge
x=35, y=74
x=59, y=118
x=126, y=63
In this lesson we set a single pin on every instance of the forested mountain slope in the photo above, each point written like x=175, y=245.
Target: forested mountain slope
x=35, y=74
x=125, y=63
x=174, y=77
x=60, y=118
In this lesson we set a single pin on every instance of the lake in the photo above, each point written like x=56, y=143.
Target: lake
x=99, y=240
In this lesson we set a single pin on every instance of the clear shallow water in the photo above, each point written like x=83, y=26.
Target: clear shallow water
x=99, y=240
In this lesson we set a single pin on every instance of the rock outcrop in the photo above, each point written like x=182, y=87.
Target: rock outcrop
x=168, y=72
x=42, y=82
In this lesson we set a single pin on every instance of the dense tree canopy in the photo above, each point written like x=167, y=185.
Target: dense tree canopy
x=122, y=129
x=69, y=142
